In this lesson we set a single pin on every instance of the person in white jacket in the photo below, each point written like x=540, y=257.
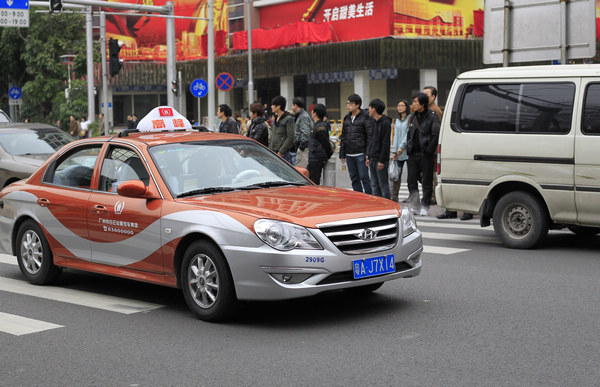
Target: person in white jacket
x=399, y=155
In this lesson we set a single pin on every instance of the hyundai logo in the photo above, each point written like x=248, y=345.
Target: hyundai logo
x=367, y=234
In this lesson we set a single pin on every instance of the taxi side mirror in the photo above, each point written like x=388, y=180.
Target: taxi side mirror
x=133, y=189
x=303, y=171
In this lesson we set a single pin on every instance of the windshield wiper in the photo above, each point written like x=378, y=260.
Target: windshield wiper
x=269, y=184
x=207, y=190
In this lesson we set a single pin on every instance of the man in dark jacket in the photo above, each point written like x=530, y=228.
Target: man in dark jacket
x=283, y=133
x=355, y=139
x=422, y=139
x=258, y=129
x=379, y=151
x=228, y=124
x=319, y=149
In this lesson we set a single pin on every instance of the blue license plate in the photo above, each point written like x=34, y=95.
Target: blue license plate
x=370, y=267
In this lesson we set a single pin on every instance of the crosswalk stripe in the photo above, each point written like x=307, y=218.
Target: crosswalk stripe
x=442, y=250
x=8, y=259
x=459, y=237
x=451, y=225
x=18, y=325
x=77, y=297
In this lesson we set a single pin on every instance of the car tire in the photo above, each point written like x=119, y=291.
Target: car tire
x=584, y=231
x=207, y=283
x=365, y=289
x=520, y=220
x=34, y=255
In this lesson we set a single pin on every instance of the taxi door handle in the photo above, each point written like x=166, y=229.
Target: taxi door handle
x=98, y=209
x=43, y=202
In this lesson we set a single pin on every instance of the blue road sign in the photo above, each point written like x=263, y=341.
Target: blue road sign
x=199, y=88
x=14, y=92
x=224, y=81
x=14, y=4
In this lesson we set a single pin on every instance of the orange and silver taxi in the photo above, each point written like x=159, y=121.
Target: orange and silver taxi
x=218, y=215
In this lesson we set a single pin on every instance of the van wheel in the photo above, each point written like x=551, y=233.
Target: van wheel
x=206, y=282
x=520, y=221
x=584, y=231
x=34, y=255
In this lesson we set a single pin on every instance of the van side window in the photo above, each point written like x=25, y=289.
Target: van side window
x=590, y=123
x=517, y=108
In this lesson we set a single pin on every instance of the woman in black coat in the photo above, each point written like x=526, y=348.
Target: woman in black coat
x=258, y=129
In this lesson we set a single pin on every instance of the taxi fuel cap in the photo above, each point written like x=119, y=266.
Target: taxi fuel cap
x=163, y=118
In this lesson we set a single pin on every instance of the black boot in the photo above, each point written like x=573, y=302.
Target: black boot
x=447, y=215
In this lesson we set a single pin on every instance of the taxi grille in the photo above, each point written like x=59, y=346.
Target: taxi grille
x=363, y=236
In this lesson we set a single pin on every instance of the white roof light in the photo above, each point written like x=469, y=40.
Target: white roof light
x=163, y=118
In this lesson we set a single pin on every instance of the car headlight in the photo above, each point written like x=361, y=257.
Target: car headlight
x=285, y=236
x=409, y=224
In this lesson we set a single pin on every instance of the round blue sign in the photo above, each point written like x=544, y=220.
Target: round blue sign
x=199, y=88
x=224, y=81
x=14, y=92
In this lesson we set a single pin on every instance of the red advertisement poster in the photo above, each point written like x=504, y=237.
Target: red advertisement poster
x=144, y=37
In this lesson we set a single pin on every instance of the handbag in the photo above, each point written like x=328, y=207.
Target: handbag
x=394, y=171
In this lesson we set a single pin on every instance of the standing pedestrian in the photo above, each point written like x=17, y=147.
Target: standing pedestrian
x=432, y=93
x=129, y=122
x=422, y=139
x=379, y=151
x=73, y=127
x=135, y=120
x=319, y=149
x=399, y=155
x=354, y=141
x=258, y=129
x=228, y=124
x=304, y=125
x=283, y=131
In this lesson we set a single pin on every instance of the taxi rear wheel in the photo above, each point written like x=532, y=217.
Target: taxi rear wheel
x=206, y=282
x=34, y=255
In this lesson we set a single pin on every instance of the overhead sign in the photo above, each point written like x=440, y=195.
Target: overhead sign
x=535, y=30
x=14, y=92
x=199, y=88
x=224, y=81
x=14, y=13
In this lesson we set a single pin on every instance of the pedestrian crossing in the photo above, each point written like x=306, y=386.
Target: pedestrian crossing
x=443, y=238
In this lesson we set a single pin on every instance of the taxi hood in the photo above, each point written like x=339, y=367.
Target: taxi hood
x=305, y=205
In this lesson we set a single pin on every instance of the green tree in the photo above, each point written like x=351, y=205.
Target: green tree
x=30, y=58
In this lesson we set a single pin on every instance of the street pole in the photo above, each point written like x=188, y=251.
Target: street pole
x=90, y=64
x=250, y=77
x=171, y=57
x=211, y=67
x=104, y=71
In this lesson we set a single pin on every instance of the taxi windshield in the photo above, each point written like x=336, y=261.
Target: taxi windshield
x=207, y=167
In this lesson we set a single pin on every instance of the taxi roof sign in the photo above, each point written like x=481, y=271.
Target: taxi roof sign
x=163, y=118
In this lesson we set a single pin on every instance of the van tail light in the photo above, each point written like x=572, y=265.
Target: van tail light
x=439, y=159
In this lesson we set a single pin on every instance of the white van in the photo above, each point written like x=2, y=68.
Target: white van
x=521, y=146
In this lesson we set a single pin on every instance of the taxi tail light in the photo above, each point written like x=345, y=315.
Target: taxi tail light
x=439, y=159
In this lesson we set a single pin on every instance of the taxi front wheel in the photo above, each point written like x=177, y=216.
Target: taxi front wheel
x=206, y=282
x=34, y=255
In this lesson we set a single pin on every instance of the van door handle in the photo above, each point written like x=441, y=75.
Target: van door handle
x=98, y=209
x=43, y=202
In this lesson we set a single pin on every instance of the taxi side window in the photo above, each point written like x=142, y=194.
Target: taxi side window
x=76, y=169
x=121, y=164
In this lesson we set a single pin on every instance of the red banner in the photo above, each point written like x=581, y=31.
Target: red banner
x=290, y=35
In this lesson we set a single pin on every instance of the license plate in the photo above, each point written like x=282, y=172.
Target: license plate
x=370, y=267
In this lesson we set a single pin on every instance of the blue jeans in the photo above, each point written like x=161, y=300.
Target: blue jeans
x=359, y=173
x=379, y=180
x=290, y=157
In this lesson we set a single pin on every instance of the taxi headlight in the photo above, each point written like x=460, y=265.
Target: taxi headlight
x=409, y=224
x=285, y=236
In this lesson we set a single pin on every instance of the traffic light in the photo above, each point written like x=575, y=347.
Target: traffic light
x=175, y=88
x=113, y=56
x=55, y=6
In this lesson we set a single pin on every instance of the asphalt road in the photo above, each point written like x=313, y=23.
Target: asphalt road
x=479, y=314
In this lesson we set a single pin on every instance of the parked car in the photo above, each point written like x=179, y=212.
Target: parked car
x=4, y=117
x=520, y=146
x=24, y=147
x=218, y=215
